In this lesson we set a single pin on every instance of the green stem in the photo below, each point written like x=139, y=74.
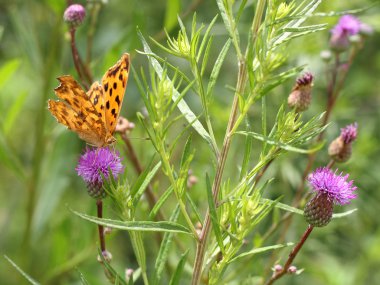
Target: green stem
x=232, y=124
x=201, y=247
x=169, y=173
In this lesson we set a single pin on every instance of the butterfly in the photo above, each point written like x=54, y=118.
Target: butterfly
x=93, y=114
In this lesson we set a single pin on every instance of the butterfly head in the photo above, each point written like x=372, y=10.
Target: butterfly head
x=109, y=139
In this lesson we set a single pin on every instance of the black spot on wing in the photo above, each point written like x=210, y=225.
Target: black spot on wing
x=108, y=105
x=115, y=85
x=106, y=87
x=117, y=100
x=111, y=92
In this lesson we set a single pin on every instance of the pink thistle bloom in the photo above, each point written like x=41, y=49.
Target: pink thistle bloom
x=335, y=187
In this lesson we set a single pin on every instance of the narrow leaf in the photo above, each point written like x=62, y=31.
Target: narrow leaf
x=148, y=176
x=164, y=249
x=175, y=280
x=182, y=106
x=260, y=250
x=215, y=71
x=141, y=226
x=280, y=144
x=26, y=276
x=160, y=202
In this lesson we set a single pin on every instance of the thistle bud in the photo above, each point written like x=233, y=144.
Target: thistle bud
x=340, y=149
x=318, y=211
x=300, y=97
x=74, y=15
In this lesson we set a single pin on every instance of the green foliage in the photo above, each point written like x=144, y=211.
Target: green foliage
x=220, y=157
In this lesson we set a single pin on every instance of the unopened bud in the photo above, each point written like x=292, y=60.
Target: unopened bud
x=340, y=149
x=318, y=211
x=74, y=15
x=300, y=97
x=106, y=255
x=292, y=269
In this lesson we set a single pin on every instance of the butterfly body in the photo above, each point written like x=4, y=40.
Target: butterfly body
x=93, y=114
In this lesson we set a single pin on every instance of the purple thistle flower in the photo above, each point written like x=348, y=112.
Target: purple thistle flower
x=94, y=162
x=336, y=187
x=348, y=25
x=349, y=133
x=74, y=14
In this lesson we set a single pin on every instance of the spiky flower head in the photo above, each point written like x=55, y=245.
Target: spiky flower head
x=74, y=15
x=330, y=188
x=97, y=162
x=349, y=133
x=300, y=97
x=347, y=26
x=340, y=149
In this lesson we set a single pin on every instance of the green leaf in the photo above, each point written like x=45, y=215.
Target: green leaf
x=143, y=183
x=141, y=226
x=173, y=8
x=286, y=207
x=299, y=19
x=82, y=278
x=213, y=215
x=259, y=250
x=215, y=71
x=194, y=207
x=186, y=152
x=164, y=249
x=341, y=215
x=178, y=272
x=160, y=202
x=182, y=105
x=280, y=144
x=26, y=276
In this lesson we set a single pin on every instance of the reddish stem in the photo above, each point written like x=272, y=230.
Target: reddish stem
x=292, y=256
x=99, y=205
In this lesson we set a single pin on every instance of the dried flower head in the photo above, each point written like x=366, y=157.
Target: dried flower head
x=74, y=15
x=330, y=189
x=340, y=149
x=300, y=97
x=97, y=162
x=347, y=26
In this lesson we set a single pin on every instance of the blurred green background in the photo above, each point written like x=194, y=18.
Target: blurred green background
x=38, y=181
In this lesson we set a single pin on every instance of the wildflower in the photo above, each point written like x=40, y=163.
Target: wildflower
x=300, y=97
x=347, y=26
x=97, y=162
x=74, y=15
x=340, y=149
x=330, y=189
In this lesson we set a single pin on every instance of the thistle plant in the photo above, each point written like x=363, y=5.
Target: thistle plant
x=206, y=208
